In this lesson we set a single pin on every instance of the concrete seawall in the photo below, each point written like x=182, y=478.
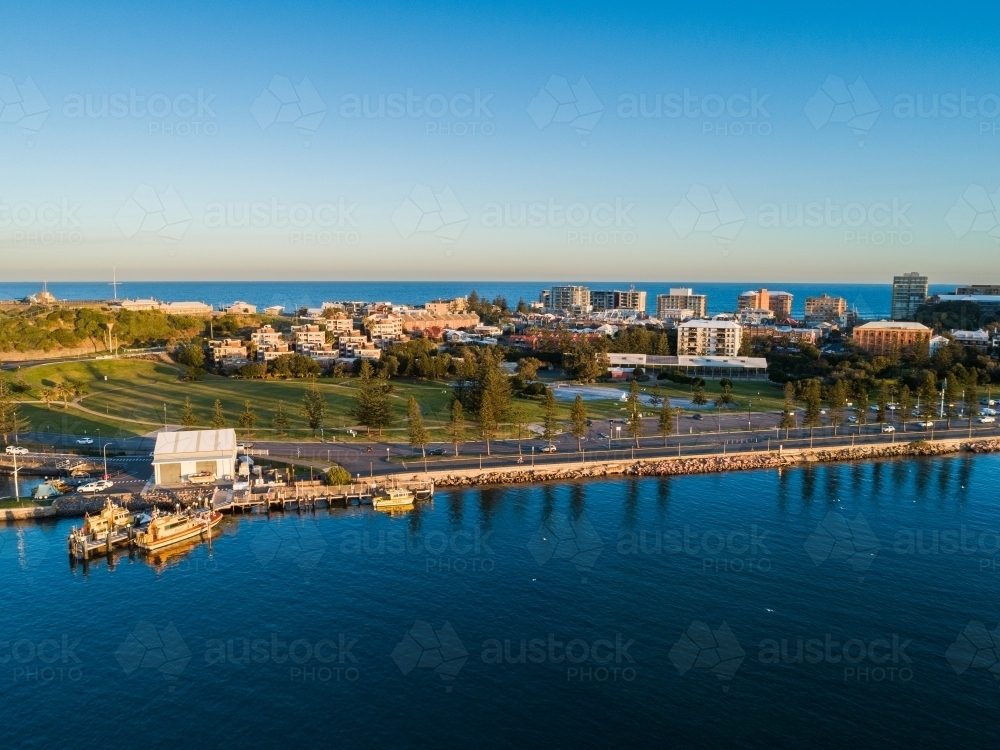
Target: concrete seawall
x=74, y=506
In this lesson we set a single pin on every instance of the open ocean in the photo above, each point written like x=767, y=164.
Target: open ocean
x=842, y=605
x=871, y=300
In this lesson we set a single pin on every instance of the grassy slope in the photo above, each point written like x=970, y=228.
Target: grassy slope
x=138, y=389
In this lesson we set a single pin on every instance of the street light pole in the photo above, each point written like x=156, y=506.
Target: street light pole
x=104, y=451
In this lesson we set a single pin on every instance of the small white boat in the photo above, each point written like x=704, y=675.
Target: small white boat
x=393, y=499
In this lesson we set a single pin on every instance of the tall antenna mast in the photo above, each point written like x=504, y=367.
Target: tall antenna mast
x=114, y=280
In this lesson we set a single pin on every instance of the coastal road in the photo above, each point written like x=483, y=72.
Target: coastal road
x=385, y=459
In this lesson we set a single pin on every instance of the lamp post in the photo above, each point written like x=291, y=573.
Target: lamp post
x=104, y=451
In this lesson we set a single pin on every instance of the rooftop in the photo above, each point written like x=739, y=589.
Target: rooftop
x=897, y=325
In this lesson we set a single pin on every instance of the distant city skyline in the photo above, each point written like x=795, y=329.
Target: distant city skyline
x=513, y=142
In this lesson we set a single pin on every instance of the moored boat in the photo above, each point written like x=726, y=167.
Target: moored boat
x=393, y=499
x=109, y=528
x=173, y=528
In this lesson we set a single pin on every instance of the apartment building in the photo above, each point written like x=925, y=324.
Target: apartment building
x=384, y=326
x=616, y=299
x=681, y=298
x=909, y=292
x=442, y=307
x=575, y=299
x=308, y=337
x=884, y=336
x=824, y=308
x=222, y=350
x=780, y=303
x=266, y=336
x=711, y=338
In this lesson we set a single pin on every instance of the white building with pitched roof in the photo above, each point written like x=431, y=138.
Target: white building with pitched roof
x=178, y=455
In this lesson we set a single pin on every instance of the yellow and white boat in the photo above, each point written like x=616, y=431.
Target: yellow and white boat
x=173, y=528
x=393, y=499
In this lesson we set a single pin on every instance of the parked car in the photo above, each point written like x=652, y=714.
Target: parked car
x=548, y=449
x=85, y=441
x=696, y=416
x=888, y=428
x=926, y=425
x=987, y=420
x=16, y=450
x=852, y=420
x=435, y=452
x=98, y=486
x=990, y=412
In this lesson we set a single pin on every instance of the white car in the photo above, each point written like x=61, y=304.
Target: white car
x=85, y=441
x=852, y=420
x=548, y=449
x=888, y=428
x=987, y=420
x=990, y=412
x=98, y=486
x=16, y=450
x=926, y=425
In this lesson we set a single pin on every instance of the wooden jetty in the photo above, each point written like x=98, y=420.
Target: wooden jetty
x=306, y=495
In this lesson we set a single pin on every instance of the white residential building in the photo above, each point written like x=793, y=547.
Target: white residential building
x=709, y=338
x=308, y=337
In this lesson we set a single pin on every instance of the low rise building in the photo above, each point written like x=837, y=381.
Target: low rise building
x=178, y=455
x=308, y=337
x=748, y=368
x=186, y=308
x=266, y=336
x=240, y=308
x=222, y=350
x=713, y=338
x=885, y=336
x=976, y=339
x=384, y=325
x=671, y=316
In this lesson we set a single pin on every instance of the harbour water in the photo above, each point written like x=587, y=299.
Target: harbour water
x=653, y=612
x=870, y=300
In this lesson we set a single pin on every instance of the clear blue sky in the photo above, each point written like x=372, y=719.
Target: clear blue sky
x=760, y=109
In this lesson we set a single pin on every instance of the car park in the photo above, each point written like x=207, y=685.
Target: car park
x=98, y=486
x=16, y=450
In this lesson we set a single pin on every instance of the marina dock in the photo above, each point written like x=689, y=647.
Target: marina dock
x=307, y=495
